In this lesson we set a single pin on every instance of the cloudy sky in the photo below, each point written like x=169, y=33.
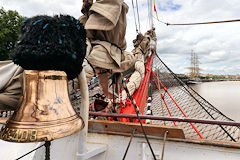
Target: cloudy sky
x=217, y=45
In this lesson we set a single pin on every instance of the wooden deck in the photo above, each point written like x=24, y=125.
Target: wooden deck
x=123, y=128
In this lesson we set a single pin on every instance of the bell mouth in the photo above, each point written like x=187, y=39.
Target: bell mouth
x=23, y=132
x=40, y=131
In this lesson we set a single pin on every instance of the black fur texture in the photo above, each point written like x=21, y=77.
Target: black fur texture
x=51, y=43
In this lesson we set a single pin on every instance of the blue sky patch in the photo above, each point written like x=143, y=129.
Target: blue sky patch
x=168, y=6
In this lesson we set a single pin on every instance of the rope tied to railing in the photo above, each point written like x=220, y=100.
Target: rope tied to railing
x=196, y=130
x=162, y=98
x=196, y=106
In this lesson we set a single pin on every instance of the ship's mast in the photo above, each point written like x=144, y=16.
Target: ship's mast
x=194, y=68
x=150, y=14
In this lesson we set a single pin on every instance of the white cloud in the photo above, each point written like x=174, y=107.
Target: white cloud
x=217, y=54
x=31, y=8
x=217, y=45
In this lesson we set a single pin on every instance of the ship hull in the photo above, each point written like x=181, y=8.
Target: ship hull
x=104, y=144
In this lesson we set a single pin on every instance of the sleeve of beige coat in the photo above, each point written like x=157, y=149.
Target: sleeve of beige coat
x=104, y=14
x=128, y=61
x=10, y=83
x=137, y=76
x=7, y=71
x=10, y=97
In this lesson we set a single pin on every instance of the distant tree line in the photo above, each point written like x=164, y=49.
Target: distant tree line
x=10, y=22
x=210, y=77
x=213, y=77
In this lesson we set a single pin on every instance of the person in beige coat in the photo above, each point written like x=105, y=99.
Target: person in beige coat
x=105, y=22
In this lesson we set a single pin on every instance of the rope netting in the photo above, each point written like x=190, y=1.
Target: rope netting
x=176, y=99
x=179, y=100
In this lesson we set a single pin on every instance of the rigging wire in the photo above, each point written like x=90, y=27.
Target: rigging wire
x=192, y=23
x=137, y=113
x=199, y=23
x=134, y=17
x=138, y=16
x=155, y=9
x=47, y=153
x=30, y=152
x=129, y=143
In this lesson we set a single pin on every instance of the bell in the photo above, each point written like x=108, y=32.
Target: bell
x=44, y=112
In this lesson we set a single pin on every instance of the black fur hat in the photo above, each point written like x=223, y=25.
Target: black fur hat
x=51, y=43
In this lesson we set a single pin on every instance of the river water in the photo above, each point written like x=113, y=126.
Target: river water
x=225, y=96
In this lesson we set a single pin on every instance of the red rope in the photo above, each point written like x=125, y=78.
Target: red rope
x=184, y=24
x=178, y=107
x=164, y=100
x=144, y=91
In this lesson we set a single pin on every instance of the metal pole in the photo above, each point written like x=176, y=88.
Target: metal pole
x=191, y=120
x=82, y=146
x=151, y=15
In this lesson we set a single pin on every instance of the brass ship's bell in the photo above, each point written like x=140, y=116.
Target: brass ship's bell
x=44, y=112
